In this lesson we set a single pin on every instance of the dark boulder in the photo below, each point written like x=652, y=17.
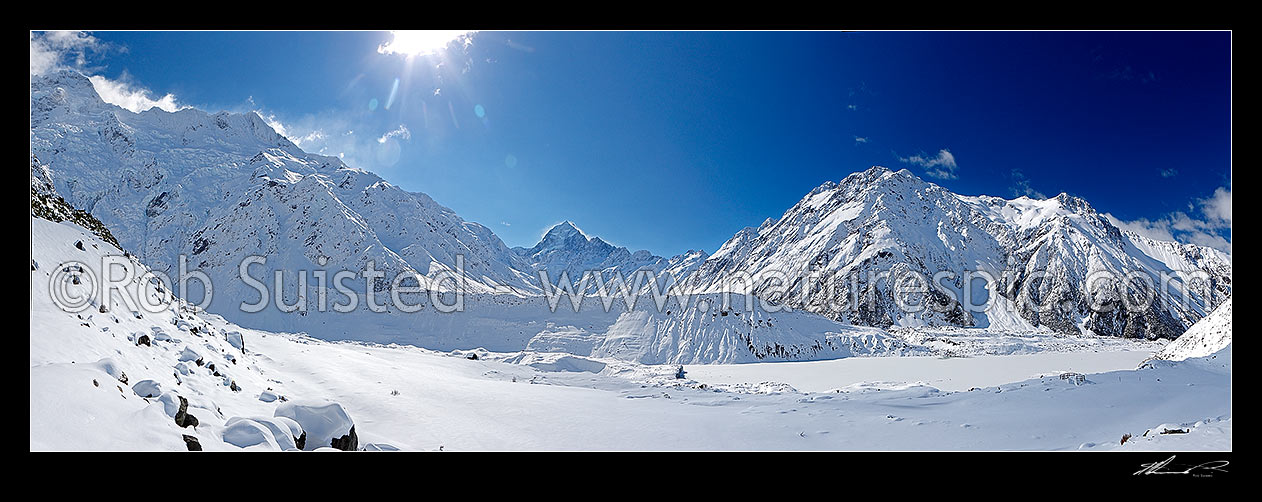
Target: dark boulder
x=191, y=442
x=182, y=417
x=349, y=442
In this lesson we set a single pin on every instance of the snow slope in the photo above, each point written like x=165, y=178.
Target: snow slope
x=1209, y=335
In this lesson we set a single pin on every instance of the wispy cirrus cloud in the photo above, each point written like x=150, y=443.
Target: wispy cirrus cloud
x=941, y=166
x=339, y=134
x=400, y=132
x=1021, y=186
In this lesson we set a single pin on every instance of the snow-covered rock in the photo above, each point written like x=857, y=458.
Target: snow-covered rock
x=325, y=424
x=147, y=388
x=235, y=339
x=249, y=431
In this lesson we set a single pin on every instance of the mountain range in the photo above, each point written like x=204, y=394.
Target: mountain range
x=215, y=188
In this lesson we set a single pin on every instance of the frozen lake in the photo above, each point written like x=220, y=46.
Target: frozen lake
x=948, y=374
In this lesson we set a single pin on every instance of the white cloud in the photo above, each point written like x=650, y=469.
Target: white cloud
x=277, y=125
x=131, y=98
x=1179, y=226
x=51, y=50
x=1159, y=229
x=400, y=132
x=1169, y=173
x=55, y=50
x=860, y=139
x=1218, y=206
x=941, y=166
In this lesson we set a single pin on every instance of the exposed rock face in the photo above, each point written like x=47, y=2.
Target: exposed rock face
x=47, y=204
x=192, y=443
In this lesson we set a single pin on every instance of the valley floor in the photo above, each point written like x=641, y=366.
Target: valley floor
x=417, y=399
x=450, y=402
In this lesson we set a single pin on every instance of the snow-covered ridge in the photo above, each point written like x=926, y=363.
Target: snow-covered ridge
x=565, y=249
x=218, y=187
x=888, y=221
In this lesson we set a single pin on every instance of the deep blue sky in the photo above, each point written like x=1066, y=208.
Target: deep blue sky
x=675, y=141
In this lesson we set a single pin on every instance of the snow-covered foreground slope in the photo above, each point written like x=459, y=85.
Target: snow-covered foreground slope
x=120, y=375
x=285, y=388
x=1207, y=336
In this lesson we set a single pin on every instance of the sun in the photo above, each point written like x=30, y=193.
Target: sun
x=422, y=42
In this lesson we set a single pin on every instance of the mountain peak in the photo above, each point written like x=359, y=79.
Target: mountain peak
x=1073, y=204
x=563, y=230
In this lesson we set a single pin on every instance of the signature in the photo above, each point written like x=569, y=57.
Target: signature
x=1164, y=467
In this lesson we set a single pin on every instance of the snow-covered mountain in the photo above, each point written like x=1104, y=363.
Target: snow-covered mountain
x=565, y=249
x=884, y=222
x=219, y=187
